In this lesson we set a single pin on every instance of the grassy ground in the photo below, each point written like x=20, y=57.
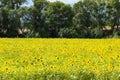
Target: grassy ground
x=59, y=59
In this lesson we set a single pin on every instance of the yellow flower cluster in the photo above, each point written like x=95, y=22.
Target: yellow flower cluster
x=59, y=55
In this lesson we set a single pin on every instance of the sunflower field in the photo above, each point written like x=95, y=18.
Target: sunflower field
x=59, y=59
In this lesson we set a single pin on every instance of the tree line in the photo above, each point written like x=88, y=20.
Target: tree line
x=85, y=19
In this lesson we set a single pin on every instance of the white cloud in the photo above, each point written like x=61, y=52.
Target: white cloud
x=28, y=3
x=71, y=2
x=66, y=1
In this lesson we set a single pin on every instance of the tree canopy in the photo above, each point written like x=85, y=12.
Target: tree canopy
x=85, y=19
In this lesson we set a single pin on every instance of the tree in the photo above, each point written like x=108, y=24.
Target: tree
x=67, y=33
x=113, y=15
x=59, y=15
x=38, y=18
x=10, y=20
x=89, y=18
x=26, y=27
x=82, y=18
x=86, y=19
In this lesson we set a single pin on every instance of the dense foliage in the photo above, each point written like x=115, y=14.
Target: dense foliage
x=86, y=19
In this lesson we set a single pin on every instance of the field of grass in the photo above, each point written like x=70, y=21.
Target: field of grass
x=59, y=59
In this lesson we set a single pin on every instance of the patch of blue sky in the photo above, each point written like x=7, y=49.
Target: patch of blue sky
x=71, y=2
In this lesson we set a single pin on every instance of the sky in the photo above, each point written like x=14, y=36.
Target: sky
x=71, y=2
